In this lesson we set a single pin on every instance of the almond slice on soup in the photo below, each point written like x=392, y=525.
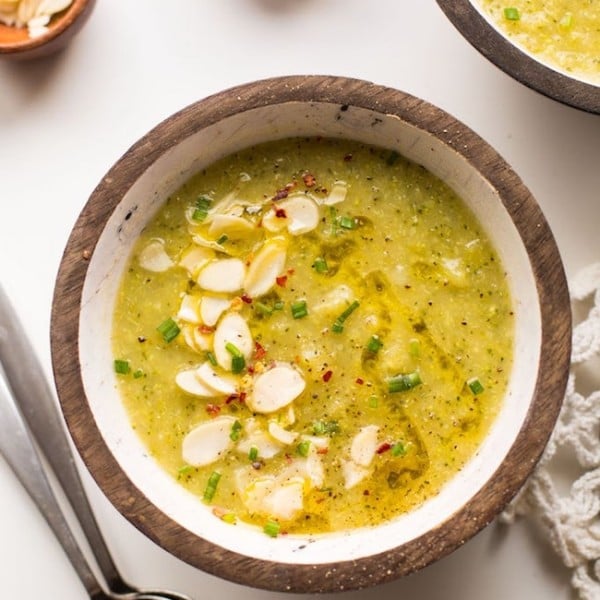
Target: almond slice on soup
x=232, y=329
x=223, y=275
x=189, y=383
x=223, y=384
x=207, y=442
x=194, y=258
x=266, y=266
x=154, y=257
x=212, y=307
x=275, y=388
x=364, y=445
x=231, y=225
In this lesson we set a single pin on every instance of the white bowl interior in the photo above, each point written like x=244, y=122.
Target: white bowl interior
x=143, y=200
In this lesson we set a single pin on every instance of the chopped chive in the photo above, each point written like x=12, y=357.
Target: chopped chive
x=138, y=373
x=374, y=344
x=211, y=358
x=169, y=330
x=222, y=239
x=272, y=528
x=299, y=309
x=325, y=427
x=320, y=265
x=253, y=453
x=229, y=518
x=334, y=220
x=303, y=448
x=122, y=366
x=347, y=222
x=236, y=431
x=414, y=347
x=264, y=309
x=238, y=362
x=512, y=14
x=404, y=382
x=398, y=449
x=185, y=470
x=338, y=325
x=279, y=305
x=373, y=402
x=475, y=385
x=203, y=204
x=211, y=486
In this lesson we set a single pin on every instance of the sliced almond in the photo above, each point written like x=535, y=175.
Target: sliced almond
x=222, y=275
x=282, y=435
x=222, y=384
x=353, y=473
x=258, y=438
x=231, y=225
x=208, y=441
x=188, y=311
x=194, y=258
x=285, y=500
x=275, y=388
x=337, y=194
x=212, y=307
x=232, y=328
x=302, y=214
x=364, y=445
x=154, y=257
x=267, y=265
x=188, y=382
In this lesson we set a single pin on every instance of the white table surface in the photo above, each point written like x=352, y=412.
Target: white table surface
x=65, y=120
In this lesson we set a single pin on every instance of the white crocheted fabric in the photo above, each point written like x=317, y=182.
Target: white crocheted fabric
x=570, y=518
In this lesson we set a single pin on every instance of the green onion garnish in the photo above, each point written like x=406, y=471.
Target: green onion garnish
x=169, y=330
x=373, y=402
x=299, y=309
x=404, y=382
x=414, y=348
x=236, y=431
x=325, y=427
x=512, y=14
x=185, y=470
x=303, y=448
x=338, y=325
x=475, y=385
x=320, y=265
x=398, y=449
x=122, y=366
x=211, y=486
x=138, y=373
x=229, y=518
x=211, y=358
x=347, y=222
x=272, y=528
x=238, y=362
x=253, y=453
x=374, y=344
x=279, y=305
x=334, y=220
x=264, y=309
x=203, y=204
x=222, y=239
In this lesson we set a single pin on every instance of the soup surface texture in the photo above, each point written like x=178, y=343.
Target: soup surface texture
x=313, y=335
x=565, y=34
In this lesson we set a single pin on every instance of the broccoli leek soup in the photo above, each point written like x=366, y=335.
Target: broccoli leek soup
x=313, y=335
x=563, y=33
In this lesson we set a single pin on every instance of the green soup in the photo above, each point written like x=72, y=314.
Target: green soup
x=313, y=335
x=564, y=34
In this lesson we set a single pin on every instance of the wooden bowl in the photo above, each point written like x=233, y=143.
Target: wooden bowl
x=131, y=193
x=514, y=61
x=15, y=43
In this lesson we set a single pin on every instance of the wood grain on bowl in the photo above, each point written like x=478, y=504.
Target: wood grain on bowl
x=301, y=575
x=15, y=42
x=515, y=62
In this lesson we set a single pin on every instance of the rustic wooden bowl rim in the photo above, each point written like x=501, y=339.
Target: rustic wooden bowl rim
x=482, y=508
x=515, y=62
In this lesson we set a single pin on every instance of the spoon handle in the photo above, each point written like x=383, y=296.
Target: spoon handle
x=19, y=451
x=38, y=408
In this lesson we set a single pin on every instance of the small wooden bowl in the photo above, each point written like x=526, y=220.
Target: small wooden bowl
x=131, y=193
x=15, y=43
x=502, y=52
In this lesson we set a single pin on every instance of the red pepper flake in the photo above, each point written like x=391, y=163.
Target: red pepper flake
x=231, y=398
x=360, y=380
x=242, y=397
x=206, y=329
x=384, y=447
x=366, y=492
x=348, y=158
x=280, y=213
x=250, y=369
x=259, y=351
x=327, y=376
x=288, y=458
x=280, y=194
x=213, y=409
x=309, y=179
x=291, y=271
x=322, y=450
x=246, y=299
x=281, y=280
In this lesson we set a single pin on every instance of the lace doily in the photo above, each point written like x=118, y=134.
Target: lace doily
x=570, y=518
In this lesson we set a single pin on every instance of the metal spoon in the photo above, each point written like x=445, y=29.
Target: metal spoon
x=25, y=397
